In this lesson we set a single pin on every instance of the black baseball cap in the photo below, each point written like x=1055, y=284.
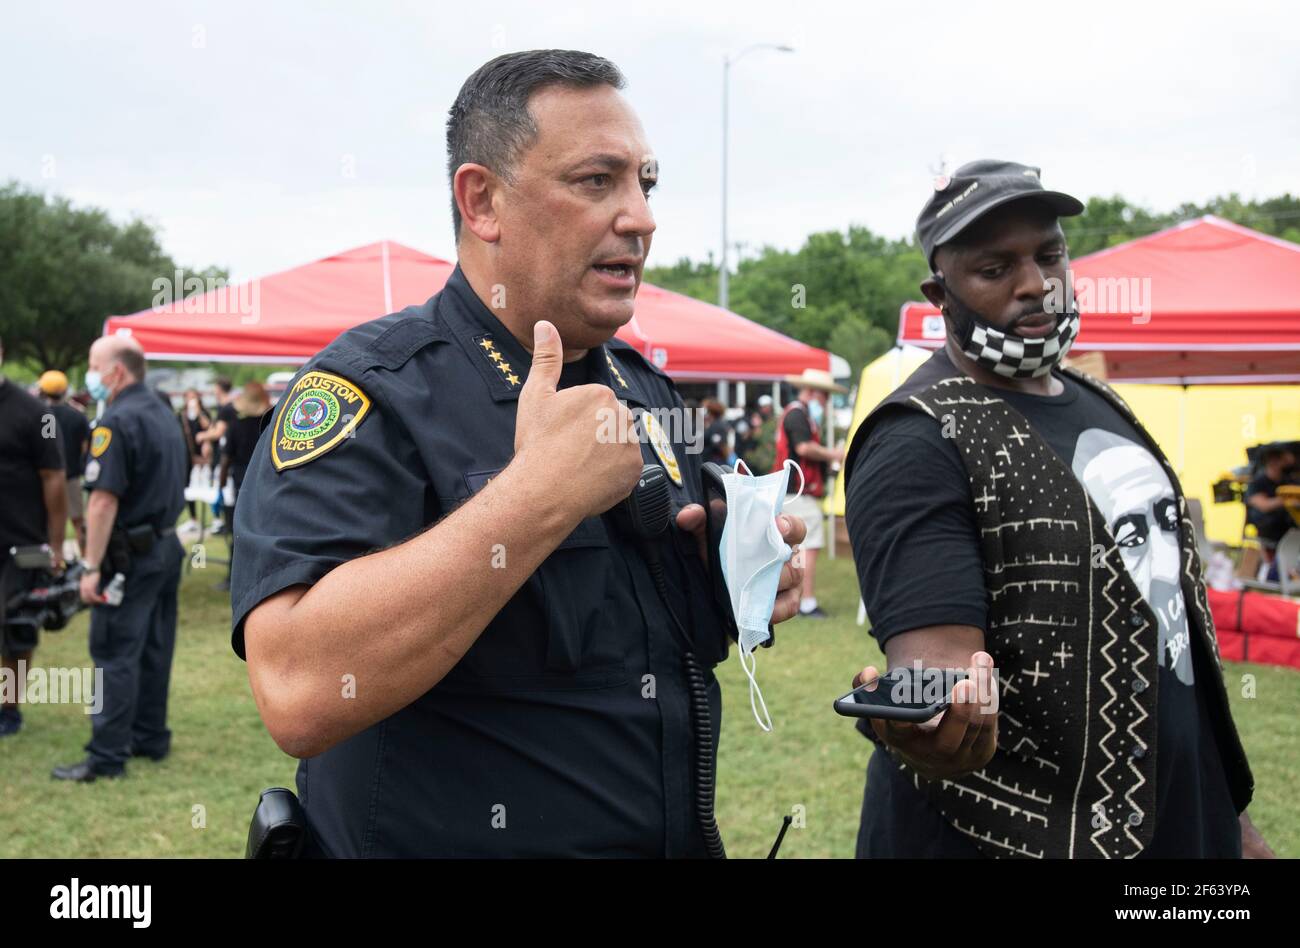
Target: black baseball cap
x=974, y=189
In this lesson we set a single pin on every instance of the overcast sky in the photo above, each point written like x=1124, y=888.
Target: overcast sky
x=258, y=136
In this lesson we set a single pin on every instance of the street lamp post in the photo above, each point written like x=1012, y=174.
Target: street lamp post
x=727, y=62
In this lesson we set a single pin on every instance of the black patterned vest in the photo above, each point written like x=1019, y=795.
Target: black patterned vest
x=1072, y=638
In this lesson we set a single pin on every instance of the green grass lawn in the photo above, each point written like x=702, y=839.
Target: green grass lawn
x=222, y=757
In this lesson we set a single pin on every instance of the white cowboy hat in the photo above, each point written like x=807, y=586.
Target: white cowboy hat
x=815, y=378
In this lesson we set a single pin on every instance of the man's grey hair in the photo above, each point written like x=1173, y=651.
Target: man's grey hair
x=489, y=123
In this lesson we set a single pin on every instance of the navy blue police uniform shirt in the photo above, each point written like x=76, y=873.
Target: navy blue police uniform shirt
x=565, y=729
x=138, y=454
x=917, y=552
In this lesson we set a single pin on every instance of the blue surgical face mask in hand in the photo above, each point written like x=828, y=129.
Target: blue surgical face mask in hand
x=752, y=553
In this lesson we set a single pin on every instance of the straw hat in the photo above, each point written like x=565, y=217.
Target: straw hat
x=815, y=378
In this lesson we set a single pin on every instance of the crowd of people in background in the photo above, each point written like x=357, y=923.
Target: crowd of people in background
x=221, y=427
x=749, y=436
x=761, y=440
x=221, y=432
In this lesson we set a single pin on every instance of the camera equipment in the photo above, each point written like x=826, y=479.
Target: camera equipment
x=1228, y=490
x=44, y=601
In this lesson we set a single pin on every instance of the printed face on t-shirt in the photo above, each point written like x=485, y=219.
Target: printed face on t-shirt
x=1137, y=500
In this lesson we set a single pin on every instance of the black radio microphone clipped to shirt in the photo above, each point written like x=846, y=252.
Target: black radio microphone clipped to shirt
x=644, y=517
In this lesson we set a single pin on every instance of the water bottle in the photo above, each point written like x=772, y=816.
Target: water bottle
x=113, y=591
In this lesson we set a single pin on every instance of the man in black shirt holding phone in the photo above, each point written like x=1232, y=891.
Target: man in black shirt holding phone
x=1005, y=512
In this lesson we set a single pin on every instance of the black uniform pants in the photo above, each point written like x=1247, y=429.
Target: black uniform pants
x=133, y=645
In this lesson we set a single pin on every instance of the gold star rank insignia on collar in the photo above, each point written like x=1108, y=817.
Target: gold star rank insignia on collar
x=496, y=359
x=613, y=369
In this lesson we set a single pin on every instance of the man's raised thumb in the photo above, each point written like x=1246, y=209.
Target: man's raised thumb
x=548, y=359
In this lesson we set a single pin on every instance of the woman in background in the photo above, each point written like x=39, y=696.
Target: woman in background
x=194, y=418
x=241, y=438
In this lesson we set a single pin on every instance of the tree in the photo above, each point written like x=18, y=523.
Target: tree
x=696, y=280
x=859, y=342
x=807, y=293
x=63, y=270
x=843, y=290
x=1106, y=222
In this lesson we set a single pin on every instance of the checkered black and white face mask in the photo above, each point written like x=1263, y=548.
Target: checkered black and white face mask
x=1008, y=355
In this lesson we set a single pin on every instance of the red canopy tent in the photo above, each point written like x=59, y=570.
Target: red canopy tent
x=290, y=316
x=1205, y=301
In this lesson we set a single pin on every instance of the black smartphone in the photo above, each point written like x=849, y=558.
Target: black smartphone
x=904, y=694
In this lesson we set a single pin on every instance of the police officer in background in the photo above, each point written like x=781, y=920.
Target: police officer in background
x=469, y=659
x=135, y=475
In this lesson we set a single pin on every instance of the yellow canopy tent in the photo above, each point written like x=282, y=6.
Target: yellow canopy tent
x=1203, y=429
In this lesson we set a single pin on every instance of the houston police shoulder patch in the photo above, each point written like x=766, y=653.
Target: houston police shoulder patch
x=318, y=413
x=100, y=439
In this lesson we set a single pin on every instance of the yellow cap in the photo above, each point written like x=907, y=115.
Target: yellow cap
x=53, y=382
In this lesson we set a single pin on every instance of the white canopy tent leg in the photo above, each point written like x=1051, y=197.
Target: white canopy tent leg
x=829, y=441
